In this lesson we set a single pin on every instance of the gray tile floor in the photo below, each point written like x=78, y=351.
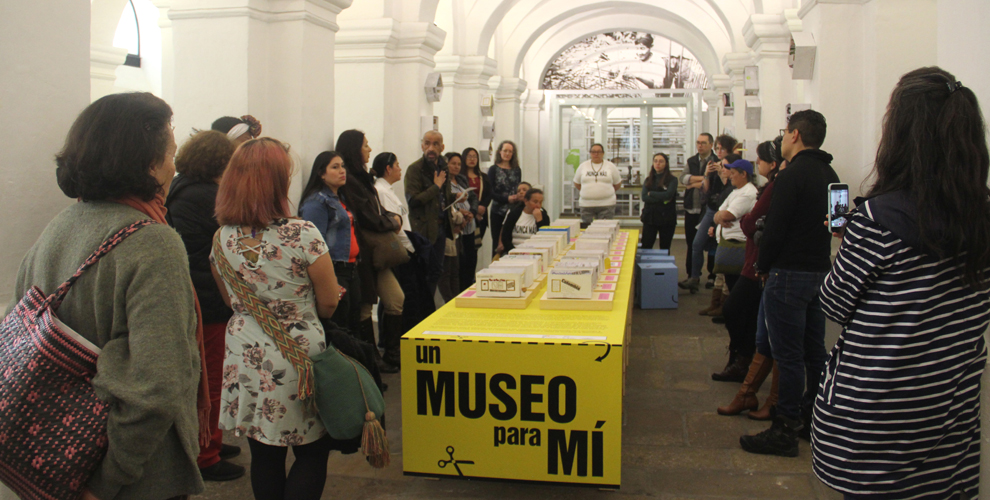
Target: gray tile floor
x=674, y=444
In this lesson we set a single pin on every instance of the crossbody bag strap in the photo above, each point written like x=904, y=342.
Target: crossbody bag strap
x=55, y=299
x=290, y=349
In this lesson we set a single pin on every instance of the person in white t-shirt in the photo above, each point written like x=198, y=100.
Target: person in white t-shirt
x=597, y=179
x=523, y=221
x=739, y=203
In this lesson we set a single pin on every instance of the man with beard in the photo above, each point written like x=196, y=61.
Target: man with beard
x=428, y=193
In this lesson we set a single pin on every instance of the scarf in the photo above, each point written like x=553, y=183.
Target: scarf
x=156, y=210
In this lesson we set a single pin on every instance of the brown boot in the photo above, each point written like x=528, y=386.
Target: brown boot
x=746, y=397
x=764, y=412
x=716, y=304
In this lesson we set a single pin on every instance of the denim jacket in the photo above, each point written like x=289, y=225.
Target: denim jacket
x=325, y=211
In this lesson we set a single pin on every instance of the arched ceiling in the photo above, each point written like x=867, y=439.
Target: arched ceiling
x=548, y=35
x=715, y=18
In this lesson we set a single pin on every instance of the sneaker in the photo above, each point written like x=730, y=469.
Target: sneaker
x=222, y=471
x=780, y=439
x=689, y=284
x=228, y=451
x=710, y=283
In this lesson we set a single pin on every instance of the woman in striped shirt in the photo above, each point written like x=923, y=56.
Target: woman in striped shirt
x=898, y=407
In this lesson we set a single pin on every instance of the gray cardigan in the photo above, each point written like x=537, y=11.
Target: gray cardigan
x=136, y=304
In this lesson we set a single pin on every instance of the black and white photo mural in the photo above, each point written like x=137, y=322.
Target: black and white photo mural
x=625, y=60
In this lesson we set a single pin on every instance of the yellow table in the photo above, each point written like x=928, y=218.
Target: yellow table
x=528, y=395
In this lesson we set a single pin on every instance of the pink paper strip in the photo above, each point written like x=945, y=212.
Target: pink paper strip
x=610, y=277
x=604, y=296
x=469, y=293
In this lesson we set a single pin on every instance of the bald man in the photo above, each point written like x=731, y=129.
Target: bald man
x=428, y=193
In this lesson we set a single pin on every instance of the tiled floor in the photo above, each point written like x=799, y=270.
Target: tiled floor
x=674, y=444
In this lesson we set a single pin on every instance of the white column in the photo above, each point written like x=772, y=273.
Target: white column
x=734, y=64
x=104, y=58
x=168, y=59
x=271, y=59
x=709, y=119
x=533, y=101
x=466, y=82
x=44, y=86
x=508, y=100
x=721, y=84
x=381, y=73
x=770, y=38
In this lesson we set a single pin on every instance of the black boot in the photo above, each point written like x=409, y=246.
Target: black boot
x=367, y=332
x=780, y=439
x=735, y=371
x=390, y=331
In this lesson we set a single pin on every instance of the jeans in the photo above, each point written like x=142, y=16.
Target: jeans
x=436, y=263
x=690, y=231
x=589, y=214
x=762, y=338
x=702, y=242
x=796, y=328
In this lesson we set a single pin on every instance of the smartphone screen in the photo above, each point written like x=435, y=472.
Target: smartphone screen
x=838, y=205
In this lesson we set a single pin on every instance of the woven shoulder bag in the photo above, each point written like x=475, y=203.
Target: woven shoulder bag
x=53, y=434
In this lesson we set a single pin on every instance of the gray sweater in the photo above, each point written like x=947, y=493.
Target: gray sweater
x=136, y=304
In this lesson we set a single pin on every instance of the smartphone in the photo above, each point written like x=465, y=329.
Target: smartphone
x=838, y=206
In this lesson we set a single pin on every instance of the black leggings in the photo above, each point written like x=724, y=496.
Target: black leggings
x=740, y=312
x=305, y=480
x=650, y=233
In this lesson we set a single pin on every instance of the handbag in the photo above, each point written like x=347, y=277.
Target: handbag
x=730, y=256
x=53, y=434
x=345, y=394
x=386, y=250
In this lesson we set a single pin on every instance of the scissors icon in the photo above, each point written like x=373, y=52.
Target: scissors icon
x=450, y=453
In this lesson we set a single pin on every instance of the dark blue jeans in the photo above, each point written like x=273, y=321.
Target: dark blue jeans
x=762, y=337
x=796, y=328
x=702, y=243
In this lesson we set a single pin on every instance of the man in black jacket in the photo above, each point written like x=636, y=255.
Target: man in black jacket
x=428, y=193
x=795, y=252
x=694, y=199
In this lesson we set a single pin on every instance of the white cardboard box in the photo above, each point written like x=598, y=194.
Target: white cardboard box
x=543, y=253
x=598, y=231
x=531, y=266
x=557, y=238
x=500, y=282
x=574, y=224
x=550, y=245
x=585, y=243
x=596, y=255
x=566, y=282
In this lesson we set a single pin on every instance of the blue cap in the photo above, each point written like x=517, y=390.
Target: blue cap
x=743, y=165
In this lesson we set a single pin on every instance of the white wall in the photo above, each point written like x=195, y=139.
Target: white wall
x=44, y=52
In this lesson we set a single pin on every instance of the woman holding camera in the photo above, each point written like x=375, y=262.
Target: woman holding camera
x=898, y=409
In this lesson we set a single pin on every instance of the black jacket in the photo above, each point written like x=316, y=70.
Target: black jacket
x=486, y=198
x=361, y=199
x=191, y=208
x=510, y=224
x=694, y=167
x=795, y=237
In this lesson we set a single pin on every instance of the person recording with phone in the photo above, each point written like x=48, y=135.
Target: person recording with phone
x=711, y=186
x=694, y=199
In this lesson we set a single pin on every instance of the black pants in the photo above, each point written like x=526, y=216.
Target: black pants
x=740, y=312
x=436, y=263
x=650, y=233
x=690, y=230
x=305, y=480
x=348, y=312
x=496, y=227
x=468, y=261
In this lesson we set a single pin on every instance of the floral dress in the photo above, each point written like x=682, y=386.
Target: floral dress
x=259, y=393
